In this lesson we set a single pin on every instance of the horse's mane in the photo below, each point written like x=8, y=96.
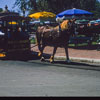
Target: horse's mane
x=64, y=25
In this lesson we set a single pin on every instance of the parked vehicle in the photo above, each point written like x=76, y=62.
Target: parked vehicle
x=14, y=37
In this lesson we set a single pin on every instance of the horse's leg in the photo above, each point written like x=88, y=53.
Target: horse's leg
x=52, y=56
x=67, y=55
x=41, y=51
x=39, y=47
x=38, y=42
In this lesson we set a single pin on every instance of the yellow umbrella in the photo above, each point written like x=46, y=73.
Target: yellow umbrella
x=13, y=23
x=43, y=14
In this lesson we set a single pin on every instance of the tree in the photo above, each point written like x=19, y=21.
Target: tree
x=97, y=10
x=57, y=6
x=1, y=9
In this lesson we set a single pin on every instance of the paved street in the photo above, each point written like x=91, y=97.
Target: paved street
x=35, y=78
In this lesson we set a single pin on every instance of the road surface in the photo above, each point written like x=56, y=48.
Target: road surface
x=35, y=78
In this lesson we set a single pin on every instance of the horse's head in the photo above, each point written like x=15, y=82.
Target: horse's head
x=67, y=25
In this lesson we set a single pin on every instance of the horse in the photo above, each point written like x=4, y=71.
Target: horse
x=54, y=36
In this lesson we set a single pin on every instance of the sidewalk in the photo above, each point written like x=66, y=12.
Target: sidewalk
x=86, y=54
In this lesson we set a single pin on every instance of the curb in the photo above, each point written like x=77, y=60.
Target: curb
x=80, y=59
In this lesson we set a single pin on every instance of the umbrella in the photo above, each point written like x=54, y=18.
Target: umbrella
x=82, y=21
x=75, y=13
x=14, y=23
x=43, y=14
x=98, y=20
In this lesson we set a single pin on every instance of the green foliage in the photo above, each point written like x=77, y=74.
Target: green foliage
x=57, y=6
x=97, y=10
x=1, y=9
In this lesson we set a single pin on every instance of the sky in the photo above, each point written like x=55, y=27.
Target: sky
x=9, y=3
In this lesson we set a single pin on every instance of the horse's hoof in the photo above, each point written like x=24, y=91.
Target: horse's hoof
x=68, y=61
x=42, y=59
x=39, y=54
x=51, y=60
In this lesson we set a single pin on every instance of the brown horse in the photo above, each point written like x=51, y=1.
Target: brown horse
x=54, y=36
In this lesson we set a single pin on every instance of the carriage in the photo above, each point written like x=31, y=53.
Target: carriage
x=14, y=37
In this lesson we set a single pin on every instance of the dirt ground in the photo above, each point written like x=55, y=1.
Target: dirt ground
x=81, y=52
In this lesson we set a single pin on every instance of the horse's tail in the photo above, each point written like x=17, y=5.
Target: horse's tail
x=38, y=39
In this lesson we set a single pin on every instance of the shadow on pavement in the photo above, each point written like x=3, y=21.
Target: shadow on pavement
x=70, y=63
x=34, y=56
x=24, y=57
x=74, y=65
